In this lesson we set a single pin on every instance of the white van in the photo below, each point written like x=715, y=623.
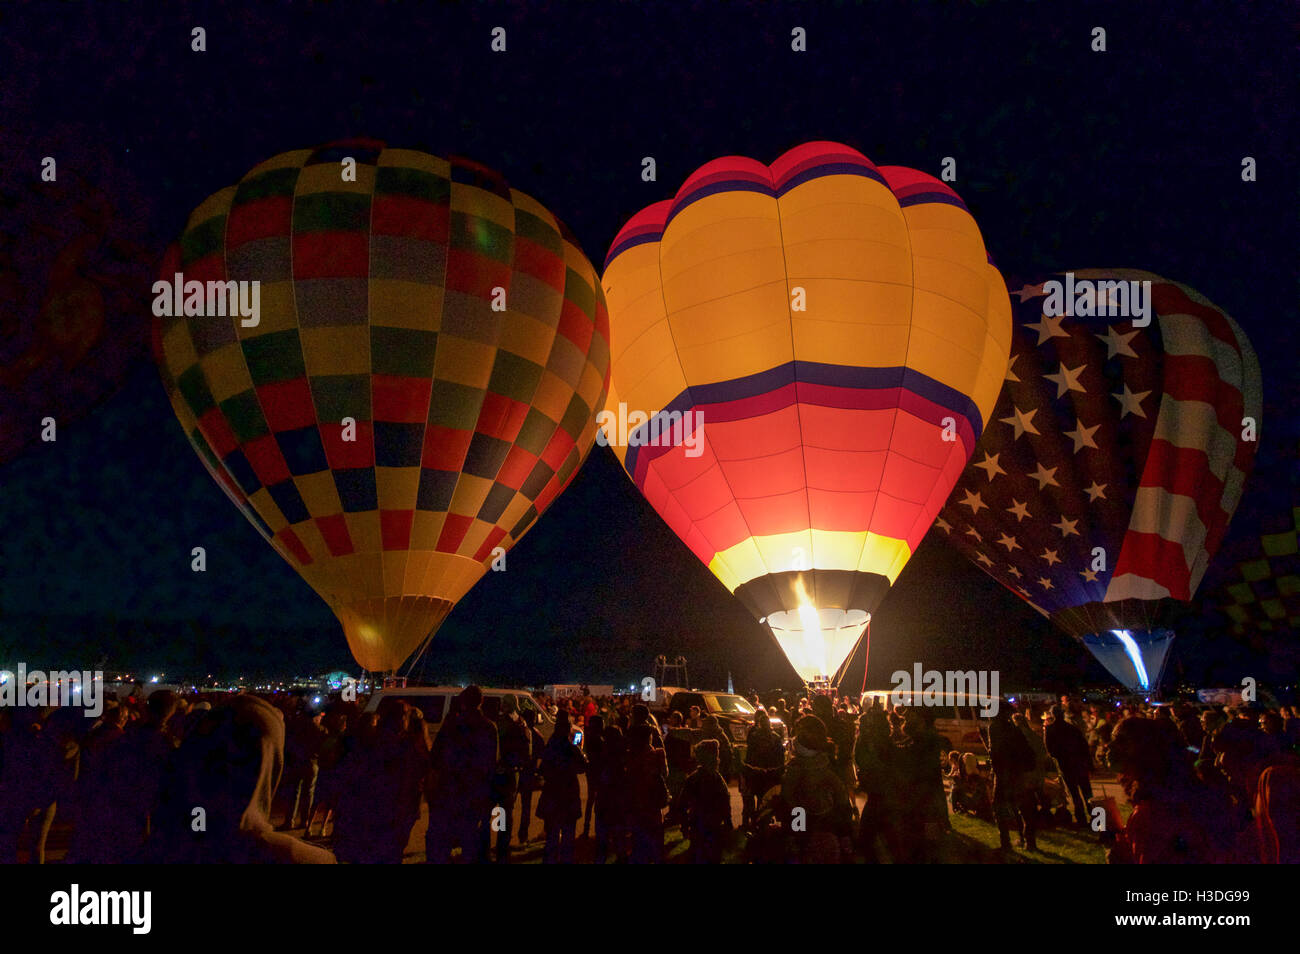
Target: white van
x=957, y=719
x=435, y=701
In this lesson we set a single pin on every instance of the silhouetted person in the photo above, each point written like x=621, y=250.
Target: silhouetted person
x=1173, y=819
x=645, y=795
x=1013, y=763
x=1067, y=745
x=229, y=766
x=611, y=826
x=817, y=806
x=764, y=763
x=712, y=729
x=560, y=804
x=464, y=759
x=593, y=747
x=530, y=776
x=704, y=804
x=513, y=749
x=380, y=801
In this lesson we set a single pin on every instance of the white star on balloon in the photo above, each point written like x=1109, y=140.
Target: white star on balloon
x=1045, y=476
x=1089, y=575
x=1022, y=421
x=1013, y=571
x=1049, y=327
x=1067, y=379
x=1011, y=374
x=1117, y=343
x=1082, y=436
x=1051, y=557
x=990, y=465
x=1067, y=527
x=972, y=532
x=1096, y=491
x=943, y=525
x=1019, y=509
x=1009, y=542
x=1045, y=582
x=1029, y=291
x=983, y=559
x=974, y=501
x=1130, y=402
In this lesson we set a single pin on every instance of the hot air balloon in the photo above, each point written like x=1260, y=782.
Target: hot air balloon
x=75, y=263
x=1115, y=458
x=1253, y=587
x=421, y=383
x=804, y=355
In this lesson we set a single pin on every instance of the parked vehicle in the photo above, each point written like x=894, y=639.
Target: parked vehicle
x=435, y=701
x=733, y=712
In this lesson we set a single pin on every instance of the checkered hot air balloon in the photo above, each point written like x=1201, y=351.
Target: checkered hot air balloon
x=1114, y=460
x=380, y=306
x=816, y=346
x=1252, y=590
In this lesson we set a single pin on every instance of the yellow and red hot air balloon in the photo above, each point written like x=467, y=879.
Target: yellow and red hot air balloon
x=832, y=337
x=423, y=381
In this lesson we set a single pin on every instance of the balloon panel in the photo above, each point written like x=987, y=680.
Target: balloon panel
x=391, y=422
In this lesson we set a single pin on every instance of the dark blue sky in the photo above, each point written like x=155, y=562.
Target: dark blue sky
x=1066, y=157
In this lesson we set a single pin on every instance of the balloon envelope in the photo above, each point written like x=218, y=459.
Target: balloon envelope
x=75, y=265
x=804, y=355
x=1116, y=456
x=421, y=384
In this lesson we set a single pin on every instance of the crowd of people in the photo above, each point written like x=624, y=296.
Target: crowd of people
x=821, y=779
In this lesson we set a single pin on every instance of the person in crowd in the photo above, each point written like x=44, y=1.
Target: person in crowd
x=818, y=807
x=1037, y=778
x=1067, y=745
x=514, y=746
x=330, y=754
x=530, y=776
x=764, y=763
x=1277, y=813
x=230, y=765
x=712, y=729
x=679, y=743
x=841, y=734
x=560, y=804
x=593, y=747
x=380, y=802
x=304, y=734
x=877, y=766
x=459, y=789
x=924, y=815
x=1013, y=761
x=641, y=716
x=611, y=827
x=1172, y=820
x=704, y=805
x=645, y=796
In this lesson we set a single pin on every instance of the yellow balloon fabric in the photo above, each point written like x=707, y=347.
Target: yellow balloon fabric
x=421, y=382
x=827, y=337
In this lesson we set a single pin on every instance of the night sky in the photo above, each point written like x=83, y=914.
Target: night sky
x=1067, y=159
